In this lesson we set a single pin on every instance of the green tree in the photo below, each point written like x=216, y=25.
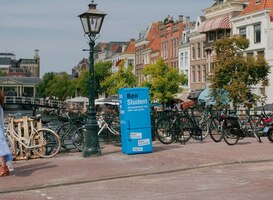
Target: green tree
x=163, y=81
x=60, y=86
x=3, y=73
x=101, y=72
x=47, y=77
x=123, y=78
x=236, y=73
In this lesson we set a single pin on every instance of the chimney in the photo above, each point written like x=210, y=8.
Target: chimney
x=180, y=18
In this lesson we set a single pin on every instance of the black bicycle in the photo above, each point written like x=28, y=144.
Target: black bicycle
x=234, y=128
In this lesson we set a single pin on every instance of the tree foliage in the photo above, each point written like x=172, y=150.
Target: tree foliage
x=236, y=73
x=123, y=78
x=163, y=81
x=47, y=77
x=101, y=72
x=60, y=86
x=3, y=73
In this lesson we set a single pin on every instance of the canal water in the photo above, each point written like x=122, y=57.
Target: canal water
x=22, y=112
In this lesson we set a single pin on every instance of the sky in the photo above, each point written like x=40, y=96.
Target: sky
x=53, y=26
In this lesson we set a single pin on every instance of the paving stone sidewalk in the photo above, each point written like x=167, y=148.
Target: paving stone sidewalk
x=72, y=168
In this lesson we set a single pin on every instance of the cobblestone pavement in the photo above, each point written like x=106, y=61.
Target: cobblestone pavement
x=251, y=181
x=196, y=170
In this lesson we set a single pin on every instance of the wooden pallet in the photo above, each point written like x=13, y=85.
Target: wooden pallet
x=24, y=126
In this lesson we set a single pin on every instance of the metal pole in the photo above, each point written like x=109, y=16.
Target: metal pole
x=91, y=146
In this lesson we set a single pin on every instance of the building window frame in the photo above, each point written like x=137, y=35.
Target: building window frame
x=193, y=74
x=182, y=59
x=198, y=50
x=257, y=33
x=211, y=37
x=204, y=73
x=193, y=52
x=242, y=32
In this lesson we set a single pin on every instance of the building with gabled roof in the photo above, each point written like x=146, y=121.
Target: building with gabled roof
x=216, y=26
x=147, y=47
x=105, y=51
x=170, y=32
x=255, y=23
x=126, y=57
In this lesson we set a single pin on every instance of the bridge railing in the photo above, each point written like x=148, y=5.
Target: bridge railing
x=33, y=101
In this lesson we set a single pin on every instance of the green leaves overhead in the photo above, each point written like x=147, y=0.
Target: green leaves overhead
x=123, y=78
x=235, y=72
x=163, y=81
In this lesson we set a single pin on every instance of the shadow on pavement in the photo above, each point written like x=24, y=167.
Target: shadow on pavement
x=166, y=147
x=27, y=170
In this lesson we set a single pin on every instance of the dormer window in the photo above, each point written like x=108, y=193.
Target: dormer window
x=258, y=1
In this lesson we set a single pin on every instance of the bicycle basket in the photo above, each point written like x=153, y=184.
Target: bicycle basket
x=232, y=122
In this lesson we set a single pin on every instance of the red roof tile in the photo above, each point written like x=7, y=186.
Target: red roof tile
x=253, y=6
x=131, y=47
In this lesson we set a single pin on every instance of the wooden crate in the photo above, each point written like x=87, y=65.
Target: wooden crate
x=23, y=126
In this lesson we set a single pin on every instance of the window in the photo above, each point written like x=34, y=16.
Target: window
x=228, y=33
x=199, y=73
x=262, y=91
x=242, y=32
x=175, y=47
x=187, y=76
x=250, y=54
x=260, y=53
x=258, y=1
x=193, y=74
x=182, y=60
x=198, y=50
x=186, y=59
x=204, y=50
x=130, y=62
x=211, y=37
x=219, y=34
x=204, y=73
x=193, y=52
x=257, y=33
x=184, y=38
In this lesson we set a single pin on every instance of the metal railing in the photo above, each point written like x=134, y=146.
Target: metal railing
x=33, y=101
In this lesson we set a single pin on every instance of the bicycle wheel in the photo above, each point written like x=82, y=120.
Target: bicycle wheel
x=46, y=143
x=114, y=132
x=254, y=131
x=230, y=138
x=270, y=135
x=78, y=138
x=164, y=131
x=205, y=131
x=183, y=129
x=215, y=130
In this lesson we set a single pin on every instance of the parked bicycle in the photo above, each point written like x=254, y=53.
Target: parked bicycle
x=234, y=128
x=111, y=125
x=42, y=141
x=65, y=126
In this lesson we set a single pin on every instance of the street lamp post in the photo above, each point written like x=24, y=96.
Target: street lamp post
x=91, y=22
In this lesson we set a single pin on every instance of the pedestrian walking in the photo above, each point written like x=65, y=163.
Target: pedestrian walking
x=5, y=153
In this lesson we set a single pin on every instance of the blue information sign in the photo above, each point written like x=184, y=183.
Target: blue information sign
x=135, y=120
